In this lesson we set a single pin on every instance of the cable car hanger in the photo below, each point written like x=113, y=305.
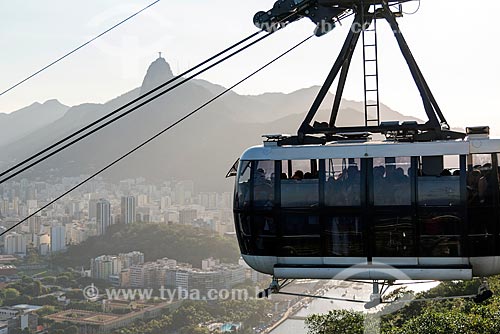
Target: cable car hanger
x=325, y=14
x=380, y=289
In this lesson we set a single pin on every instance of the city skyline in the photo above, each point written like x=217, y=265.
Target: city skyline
x=93, y=209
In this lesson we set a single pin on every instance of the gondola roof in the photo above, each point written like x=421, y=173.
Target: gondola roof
x=371, y=149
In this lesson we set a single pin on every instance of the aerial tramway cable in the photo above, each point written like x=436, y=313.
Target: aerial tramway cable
x=276, y=27
x=61, y=141
x=144, y=143
x=116, y=111
x=77, y=48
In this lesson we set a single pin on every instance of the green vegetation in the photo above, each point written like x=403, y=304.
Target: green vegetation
x=42, y=291
x=182, y=243
x=46, y=310
x=190, y=314
x=457, y=316
x=63, y=328
x=21, y=292
x=340, y=321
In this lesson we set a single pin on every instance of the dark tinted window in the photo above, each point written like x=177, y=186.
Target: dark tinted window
x=244, y=225
x=440, y=234
x=300, y=246
x=438, y=181
x=344, y=236
x=243, y=186
x=482, y=199
x=243, y=229
x=265, y=225
x=482, y=245
x=265, y=234
x=482, y=184
x=301, y=189
x=295, y=224
x=263, y=184
x=391, y=181
x=394, y=236
x=439, y=191
x=343, y=182
x=301, y=235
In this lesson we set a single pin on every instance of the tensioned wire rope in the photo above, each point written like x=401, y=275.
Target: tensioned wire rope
x=116, y=111
x=150, y=139
x=77, y=48
x=275, y=27
x=52, y=146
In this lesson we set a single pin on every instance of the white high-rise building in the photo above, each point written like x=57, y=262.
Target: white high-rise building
x=44, y=249
x=184, y=190
x=104, y=266
x=128, y=210
x=165, y=203
x=57, y=238
x=5, y=207
x=76, y=235
x=34, y=224
x=15, y=205
x=137, y=276
x=32, y=204
x=92, y=209
x=142, y=200
x=182, y=279
x=15, y=243
x=208, y=200
x=103, y=216
x=129, y=259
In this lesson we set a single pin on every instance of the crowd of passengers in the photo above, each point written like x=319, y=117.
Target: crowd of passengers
x=481, y=185
x=345, y=188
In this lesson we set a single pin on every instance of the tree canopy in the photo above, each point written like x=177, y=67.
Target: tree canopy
x=454, y=316
x=182, y=243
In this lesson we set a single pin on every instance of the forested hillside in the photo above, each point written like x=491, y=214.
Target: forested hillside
x=182, y=243
x=456, y=316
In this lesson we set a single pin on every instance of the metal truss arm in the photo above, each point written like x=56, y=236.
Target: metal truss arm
x=415, y=71
x=344, y=56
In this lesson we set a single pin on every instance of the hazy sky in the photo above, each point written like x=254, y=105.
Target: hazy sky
x=455, y=45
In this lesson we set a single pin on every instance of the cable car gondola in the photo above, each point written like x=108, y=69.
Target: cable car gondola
x=423, y=201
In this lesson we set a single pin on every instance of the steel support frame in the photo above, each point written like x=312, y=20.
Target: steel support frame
x=436, y=120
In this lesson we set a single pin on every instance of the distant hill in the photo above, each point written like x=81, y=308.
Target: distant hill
x=22, y=122
x=182, y=243
x=201, y=149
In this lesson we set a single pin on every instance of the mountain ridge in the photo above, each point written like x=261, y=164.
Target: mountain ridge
x=22, y=122
x=201, y=149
